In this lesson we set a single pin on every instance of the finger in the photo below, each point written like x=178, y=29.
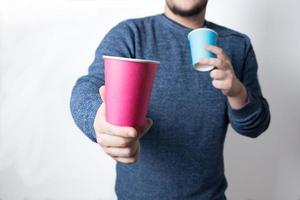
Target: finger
x=217, y=74
x=122, y=152
x=216, y=50
x=102, y=92
x=121, y=131
x=129, y=160
x=101, y=126
x=106, y=140
x=105, y=127
x=216, y=62
x=219, y=84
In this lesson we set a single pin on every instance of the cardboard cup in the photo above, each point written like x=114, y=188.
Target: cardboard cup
x=198, y=39
x=128, y=86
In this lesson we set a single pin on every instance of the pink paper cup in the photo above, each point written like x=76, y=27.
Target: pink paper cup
x=128, y=87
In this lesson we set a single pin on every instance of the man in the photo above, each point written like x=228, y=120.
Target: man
x=181, y=156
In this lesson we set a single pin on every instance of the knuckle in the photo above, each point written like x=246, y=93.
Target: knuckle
x=133, y=132
x=124, y=142
x=128, y=152
x=130, y=131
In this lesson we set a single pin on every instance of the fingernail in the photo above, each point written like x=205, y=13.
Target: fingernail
x=132, y=134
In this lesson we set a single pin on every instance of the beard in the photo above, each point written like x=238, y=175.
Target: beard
x=198, y=8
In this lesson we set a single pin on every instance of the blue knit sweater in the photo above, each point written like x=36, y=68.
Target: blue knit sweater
x=182, y=154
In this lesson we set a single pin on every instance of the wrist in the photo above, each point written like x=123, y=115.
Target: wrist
x=237, y=89
x=239, y=98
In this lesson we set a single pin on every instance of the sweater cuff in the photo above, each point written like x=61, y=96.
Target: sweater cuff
x=250, y=107
x=92, y=110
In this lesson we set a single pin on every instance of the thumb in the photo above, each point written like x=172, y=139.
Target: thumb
x=146, y=127
x=102, y=92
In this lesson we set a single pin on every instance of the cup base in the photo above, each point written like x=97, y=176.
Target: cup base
x=202, y=68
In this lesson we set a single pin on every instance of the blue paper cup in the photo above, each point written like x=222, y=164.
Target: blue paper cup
x=198, y=39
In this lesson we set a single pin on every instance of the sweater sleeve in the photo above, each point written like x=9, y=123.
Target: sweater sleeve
x=85, y=97
x=253, y=118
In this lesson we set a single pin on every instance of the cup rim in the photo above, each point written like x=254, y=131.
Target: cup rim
x=130, y=59
x=202, y=29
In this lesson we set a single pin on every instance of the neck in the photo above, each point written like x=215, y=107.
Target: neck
x=193, y=22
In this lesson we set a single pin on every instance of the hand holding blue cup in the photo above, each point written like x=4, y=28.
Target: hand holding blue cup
x=198, y=39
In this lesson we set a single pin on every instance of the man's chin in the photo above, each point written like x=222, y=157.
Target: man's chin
x=194, y=11
x=186, y=13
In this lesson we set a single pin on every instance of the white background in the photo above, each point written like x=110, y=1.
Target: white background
x=46, y=45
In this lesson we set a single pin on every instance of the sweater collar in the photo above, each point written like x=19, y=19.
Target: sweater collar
x=185, y=30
